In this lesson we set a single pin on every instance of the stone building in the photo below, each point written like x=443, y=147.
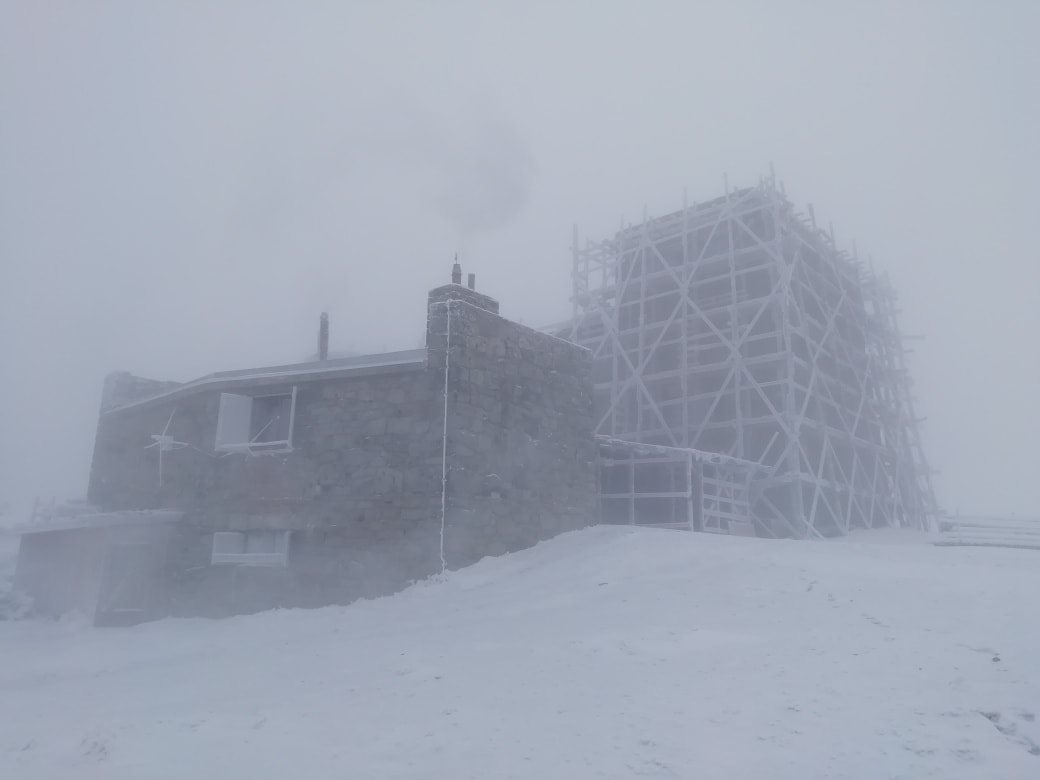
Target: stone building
x=329, y=480
x=322, y=482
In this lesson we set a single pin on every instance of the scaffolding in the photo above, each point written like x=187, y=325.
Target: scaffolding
x=672, y=487
x=737, y=327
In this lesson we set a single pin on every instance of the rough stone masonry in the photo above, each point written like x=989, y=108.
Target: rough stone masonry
x=386, y=476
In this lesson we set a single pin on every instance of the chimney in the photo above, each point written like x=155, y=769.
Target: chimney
x=323, y=337
x=456, y=272
x=471, y=281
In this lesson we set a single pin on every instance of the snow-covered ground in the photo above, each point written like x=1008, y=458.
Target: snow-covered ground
x=12, y=605
x=608, y=653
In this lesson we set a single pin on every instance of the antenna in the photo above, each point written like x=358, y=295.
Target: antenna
x=165, y=444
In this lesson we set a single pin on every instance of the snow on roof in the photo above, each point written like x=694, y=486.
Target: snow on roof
x=296, y=371
x=334, y=354
x=539, y=331
x=98, y=520
x=323, y=366
x=698, y=455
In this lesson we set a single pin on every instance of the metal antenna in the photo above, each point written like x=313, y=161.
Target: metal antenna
x=165, y=444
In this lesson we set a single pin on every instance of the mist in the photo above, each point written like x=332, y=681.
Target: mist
x=183, y=188
x=451, y=559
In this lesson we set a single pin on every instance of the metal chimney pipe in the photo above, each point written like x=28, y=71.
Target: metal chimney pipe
x=323, y=337
x=471, y=281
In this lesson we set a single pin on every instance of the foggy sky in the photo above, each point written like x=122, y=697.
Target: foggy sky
x=185, y=186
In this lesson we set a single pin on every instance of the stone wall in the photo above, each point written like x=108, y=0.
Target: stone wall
x=521, y=457
x=122, y=387
x=362, y=487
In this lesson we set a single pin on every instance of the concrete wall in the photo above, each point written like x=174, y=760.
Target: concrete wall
x=362, y=487
x=61, y=571
x=114, y=575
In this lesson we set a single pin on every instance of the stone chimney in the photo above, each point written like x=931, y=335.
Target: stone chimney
x=455, y=291
x=323, y=336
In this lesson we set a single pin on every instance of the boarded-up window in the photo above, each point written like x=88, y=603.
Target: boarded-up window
x=251, y=548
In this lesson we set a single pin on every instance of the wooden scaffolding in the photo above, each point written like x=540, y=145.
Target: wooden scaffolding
x=737, y=327
x=673, y=487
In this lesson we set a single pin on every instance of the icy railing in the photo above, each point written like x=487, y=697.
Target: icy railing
x=989, y=532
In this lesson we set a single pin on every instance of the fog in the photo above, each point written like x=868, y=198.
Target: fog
x=184, y=187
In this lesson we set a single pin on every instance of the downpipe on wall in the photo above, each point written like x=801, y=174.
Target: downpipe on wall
x=444, y=436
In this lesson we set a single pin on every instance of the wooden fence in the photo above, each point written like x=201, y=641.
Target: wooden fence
x=990, y=532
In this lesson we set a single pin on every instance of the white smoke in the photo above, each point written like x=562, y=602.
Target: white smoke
x=475, y=168
x=485, y=177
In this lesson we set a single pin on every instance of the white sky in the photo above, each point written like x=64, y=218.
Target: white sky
x=185, y=186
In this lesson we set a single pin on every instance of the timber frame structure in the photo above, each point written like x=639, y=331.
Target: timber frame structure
x=737, y=327
x=673, y=487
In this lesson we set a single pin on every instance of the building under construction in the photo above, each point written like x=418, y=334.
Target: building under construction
x=737, y=327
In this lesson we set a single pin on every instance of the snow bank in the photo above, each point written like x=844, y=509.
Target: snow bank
x=607, y=653
x=13, y=605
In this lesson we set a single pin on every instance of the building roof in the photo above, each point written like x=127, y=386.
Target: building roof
x=295, y=372
x=97, y=520
x=698, y=455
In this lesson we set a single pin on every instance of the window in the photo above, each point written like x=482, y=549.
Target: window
x=251, y=548
x=250, y=423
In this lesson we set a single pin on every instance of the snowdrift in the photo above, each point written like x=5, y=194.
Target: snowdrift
x=606, y=653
